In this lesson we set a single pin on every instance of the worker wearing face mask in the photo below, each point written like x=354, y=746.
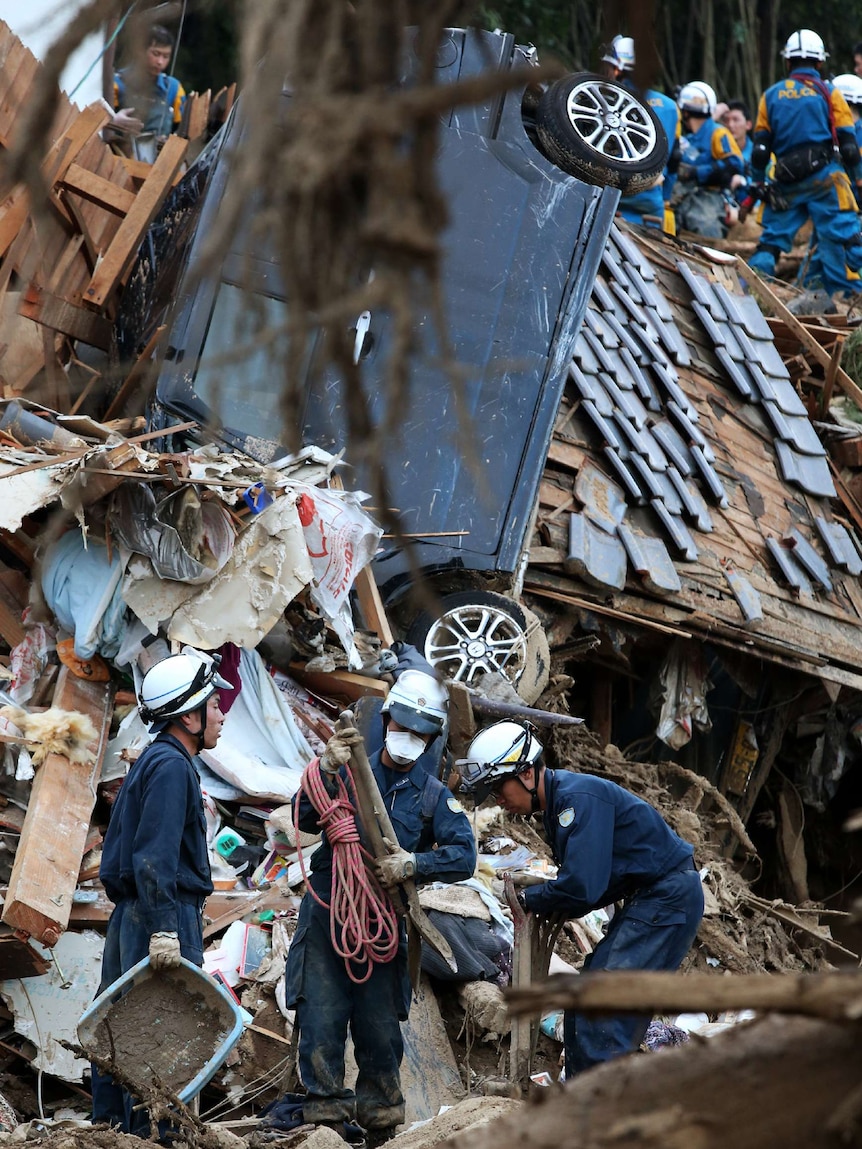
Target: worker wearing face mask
x=435, y=844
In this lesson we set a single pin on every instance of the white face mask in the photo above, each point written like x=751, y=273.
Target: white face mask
x=404, y=747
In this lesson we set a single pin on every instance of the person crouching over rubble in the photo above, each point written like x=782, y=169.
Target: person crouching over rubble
x=368, y=992
x=155, y=865
x=609, y=847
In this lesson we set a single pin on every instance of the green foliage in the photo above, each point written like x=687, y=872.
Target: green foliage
x=746, y=36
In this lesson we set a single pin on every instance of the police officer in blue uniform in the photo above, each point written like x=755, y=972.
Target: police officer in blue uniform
x=646, y=208
x=806, y=124
x=435, y=843
x=710, y=165
x=155, y=864
x=609, y=847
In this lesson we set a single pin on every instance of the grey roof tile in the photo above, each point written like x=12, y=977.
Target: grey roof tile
x=601, y=293
x=586, y=356
x=650, y=559
x=711, y=480
x=621, y=470
x=603, y=500
x=669, y=493
x=789, y=567
x=715, y=331
x=629, y=250
x=594, y=555
x=807, y=471
x=673, y=444
x=841, y=546
x=780, y=391
x=746, y=596
x=693, y=501
x=753, y=318
x=807, y=556
x=736, y=371
x=589, y=387
x=679, y=533
x=801, y=433
x=645, y=475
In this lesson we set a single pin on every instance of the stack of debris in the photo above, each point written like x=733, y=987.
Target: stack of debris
x=682, y=453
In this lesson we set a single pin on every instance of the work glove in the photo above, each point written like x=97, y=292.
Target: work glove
x=398, y=866
x=126, y=121
x=165, y=951
x=522, y=878
x=338, y=750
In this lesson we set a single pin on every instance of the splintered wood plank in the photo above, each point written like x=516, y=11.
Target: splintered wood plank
x=54, y=838
x=371, y=604
x=77, y=322
x=198, y=114
x=98, y=190
x=134, y=380
x=118, y=258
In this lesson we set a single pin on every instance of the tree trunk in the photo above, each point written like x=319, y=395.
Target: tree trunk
x=788, y=1082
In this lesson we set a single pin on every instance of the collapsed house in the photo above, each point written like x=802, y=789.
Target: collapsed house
x=688, y=502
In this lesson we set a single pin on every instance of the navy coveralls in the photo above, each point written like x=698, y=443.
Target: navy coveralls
x=326, y=1001
x=611, y=846
x=155, y=868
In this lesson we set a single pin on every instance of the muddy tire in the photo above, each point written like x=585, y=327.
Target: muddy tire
x=601, y=132
x=478, y=632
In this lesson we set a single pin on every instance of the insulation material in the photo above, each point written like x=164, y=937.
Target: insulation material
x=46, y=1008
x=25, y=491
x=268, y=568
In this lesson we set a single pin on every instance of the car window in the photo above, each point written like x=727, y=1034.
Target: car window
x=240, y=376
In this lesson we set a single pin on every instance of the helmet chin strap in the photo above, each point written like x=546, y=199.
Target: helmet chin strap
x=200, y=733
x=533, y=790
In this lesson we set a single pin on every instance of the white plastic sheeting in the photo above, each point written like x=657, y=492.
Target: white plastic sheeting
x=261, y=750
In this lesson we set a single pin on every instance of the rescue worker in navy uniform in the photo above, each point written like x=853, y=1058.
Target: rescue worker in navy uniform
x=649, y=208
x=806, y=123
x=710, y=166
x=155, y=864
x=435, y=843
x=609, y=847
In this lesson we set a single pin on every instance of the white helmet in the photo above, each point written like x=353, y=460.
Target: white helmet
x=698, y=98
x=418, y=702
x=621, y=53
x=503, y=750
x=850, y=87
x=804, y=45
x=179, y=684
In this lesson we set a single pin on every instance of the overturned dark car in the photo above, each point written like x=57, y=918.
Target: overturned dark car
x=520, y=255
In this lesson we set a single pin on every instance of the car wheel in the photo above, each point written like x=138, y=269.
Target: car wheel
x=601, y=132
x=477, y=633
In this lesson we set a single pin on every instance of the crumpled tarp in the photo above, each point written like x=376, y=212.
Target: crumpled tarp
x=685, y=685
x=82, y=588
x=261, y=750
x=169, y=529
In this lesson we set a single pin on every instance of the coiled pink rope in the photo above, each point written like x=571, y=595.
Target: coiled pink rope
x=363, y=925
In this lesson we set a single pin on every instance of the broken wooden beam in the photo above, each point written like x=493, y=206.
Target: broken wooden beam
x=117, y=260
x=837, y=996
x=48, y=859
x=491, y=708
